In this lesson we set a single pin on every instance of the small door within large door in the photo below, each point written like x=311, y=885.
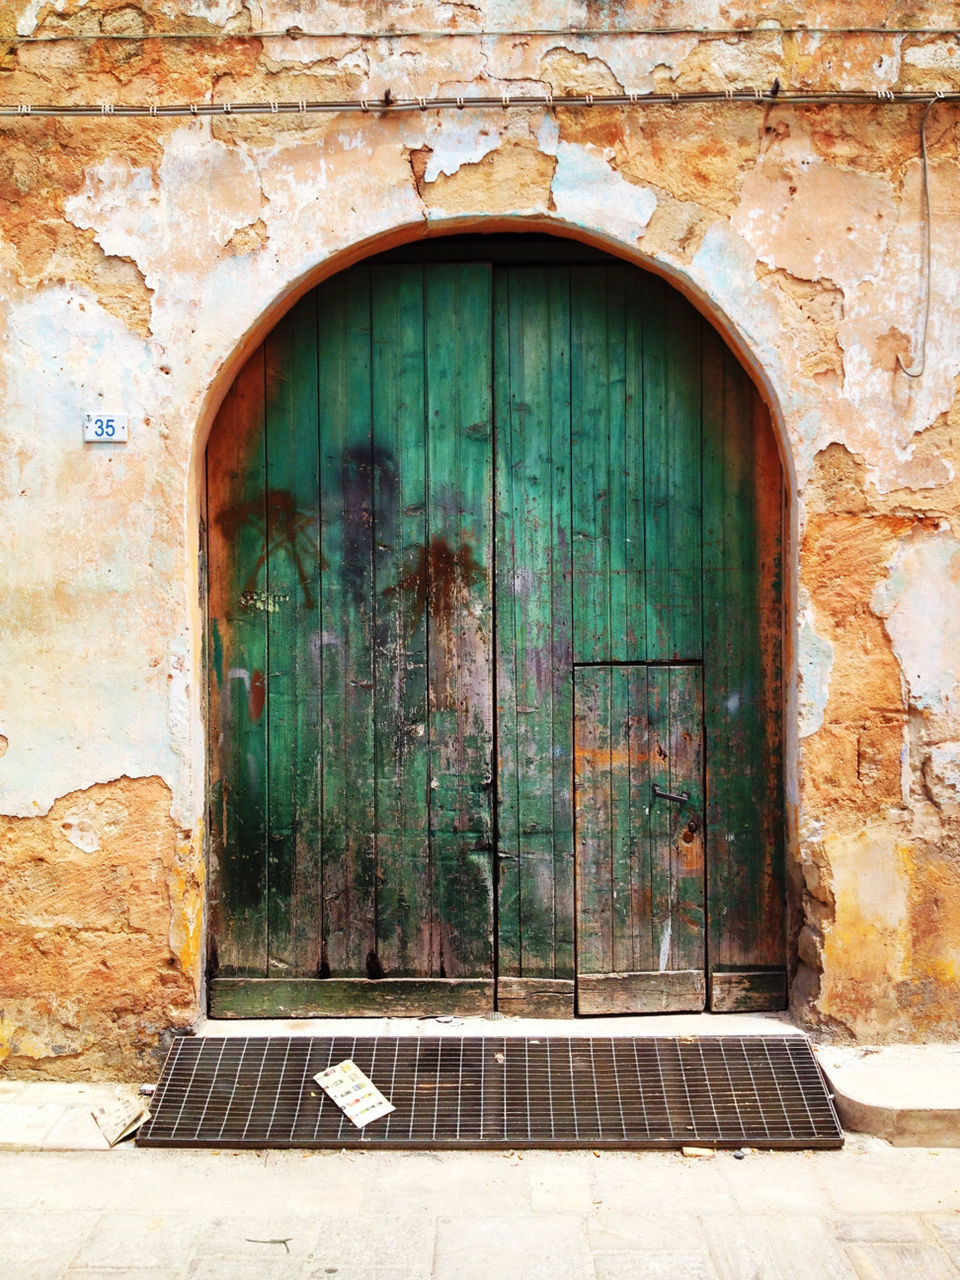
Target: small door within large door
x=638, y=802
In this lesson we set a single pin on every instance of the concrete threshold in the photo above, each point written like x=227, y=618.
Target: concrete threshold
x=623, y=1025
x=908, y=1094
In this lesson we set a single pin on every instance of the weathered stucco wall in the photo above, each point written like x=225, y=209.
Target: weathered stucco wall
x=140, y=259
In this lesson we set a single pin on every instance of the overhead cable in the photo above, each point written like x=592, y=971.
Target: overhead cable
x=926, y=264
x=299, y=33
x=500, y=101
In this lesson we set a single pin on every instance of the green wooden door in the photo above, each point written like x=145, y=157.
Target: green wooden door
x=639, y=824
x=473, y=529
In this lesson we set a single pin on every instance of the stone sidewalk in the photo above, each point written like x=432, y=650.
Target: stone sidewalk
x=870, y=1210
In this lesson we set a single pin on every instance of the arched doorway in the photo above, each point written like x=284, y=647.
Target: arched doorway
x=494, y=550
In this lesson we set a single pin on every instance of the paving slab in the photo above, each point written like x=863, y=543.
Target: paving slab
x=660, y=1264
x=74, y=1130
x=113, y=1273
x=763, y=1247
x=258, y=1236
x=753, y=1181
x=24, y=1126
x=947, y=1231
x=568, y=1189
x=923, y=1180
x=209, y=1268
x=187, y=1215
x=644, y=1232
x=541, y=1248
x=896, y=1261
x=39, y=1243
x=346, y=1246
x=881, y=1228
x=130, y=1241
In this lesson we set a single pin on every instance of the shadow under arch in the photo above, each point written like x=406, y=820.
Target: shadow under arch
x=409, y=246
x=417, y=233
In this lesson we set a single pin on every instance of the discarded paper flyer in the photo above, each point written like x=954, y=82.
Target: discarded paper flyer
x=354, y=1093
x=119, y=1119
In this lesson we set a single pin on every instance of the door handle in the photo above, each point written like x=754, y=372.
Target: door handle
x=680, y=797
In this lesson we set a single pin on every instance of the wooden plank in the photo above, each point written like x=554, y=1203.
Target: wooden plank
x=292, y=589
x=638, y=867
x=660, y=820
x=768, y=944
x=630, y=638
x=347, y=757
x=608, y=380
x=677, y=992
x=536, y=997
x=623, y=682
x=592, y=787
x=561, y=639
x=337, y=997
x=534, y=690
x=748, y=991
x=508, y=335
x=687, y=906
x=621, y=468
x=683, y=330
x=672, y=478
x=743, y=706
x=590, y=465
x=460, y=616
x=404, y=891
x=656, y=473
x=236, y=512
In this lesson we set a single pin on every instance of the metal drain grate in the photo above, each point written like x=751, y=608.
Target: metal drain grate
x=495, y=1091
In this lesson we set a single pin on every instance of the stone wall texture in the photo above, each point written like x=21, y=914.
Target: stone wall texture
x=141, y=259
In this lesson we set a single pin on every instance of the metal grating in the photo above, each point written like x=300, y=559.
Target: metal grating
x=495, y=1091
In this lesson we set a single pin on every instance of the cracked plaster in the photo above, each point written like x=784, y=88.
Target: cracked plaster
x=797, y=229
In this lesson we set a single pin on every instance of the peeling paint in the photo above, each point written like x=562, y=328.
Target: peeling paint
x=920, y=603
x=140, y=260
x=587, y=191
x=941, y=771
x=814, y=664
x=101, y=946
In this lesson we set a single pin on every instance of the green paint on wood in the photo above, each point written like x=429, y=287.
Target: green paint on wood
x=241, y=522
x=291, y=587
x=459, y=440
x=401, y=726
x=534, y=622
x=217, y=652
x=742, y=670
x=347, y=622
x=432, y=493
x=309, y=998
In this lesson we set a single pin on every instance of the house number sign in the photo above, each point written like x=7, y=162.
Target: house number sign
x=105, y=428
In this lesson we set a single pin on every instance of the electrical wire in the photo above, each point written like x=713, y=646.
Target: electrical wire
x=298, y=33
x=927, y=266
x=502, y=101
